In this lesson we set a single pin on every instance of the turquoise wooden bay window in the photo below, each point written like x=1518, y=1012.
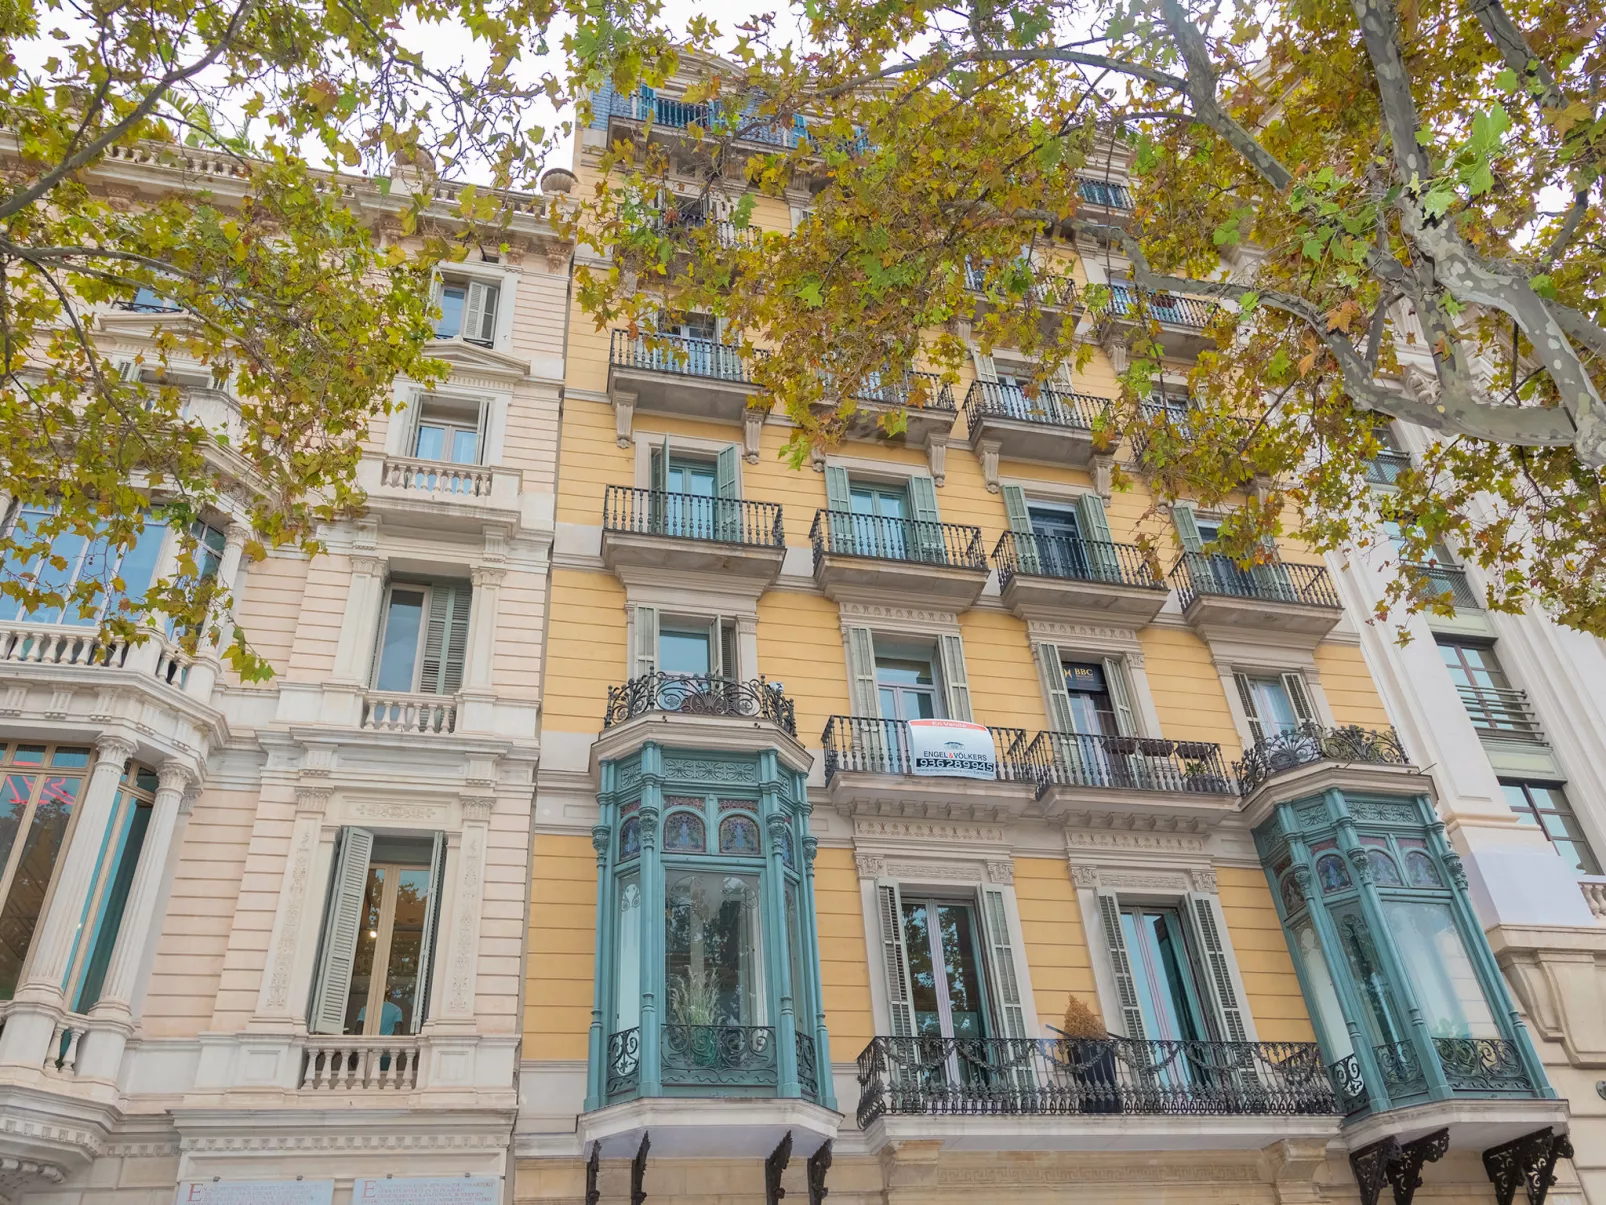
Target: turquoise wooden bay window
x=1407, y=999
x=708, y=966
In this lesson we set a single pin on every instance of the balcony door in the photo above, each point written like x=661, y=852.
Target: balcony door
x=1060, y=550
x=906, y=687
x=945, y=969
x=1162, y=972
x=690, y=487
x=879, y=512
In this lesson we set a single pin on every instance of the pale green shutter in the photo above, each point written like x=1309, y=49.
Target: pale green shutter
x=1126, y=990
x=340, y=926
x=1187, y=529
x=727, y=504
x=1115, y=682
x=432, y=924
x=658, y=469
x=838, y=494
x=865, y=700
x=955, y=682
x=895, y=959
x=1218, y=970
x=928, y=543
x=1020, y=522
x=1095, y=528
x=839, y=526
x=1052, y=672
x=725, y=473
x=646, y=641
x=1246, y=695
x=1299, y=697
x=1001, y=963
x=445, y=640
x=658, y=505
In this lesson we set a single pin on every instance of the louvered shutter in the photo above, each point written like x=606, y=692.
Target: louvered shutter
x=340, y=927
x=1001, y=965
x=728, y=661
x=1187, y=528
x=1120, y=691
x=728, y=507
x=1020, y=522
x=1126, y=990
x=437, y=289
x=955, y=681
x=480, y=297
x=1051, y=670
x=1218, y=970
x=445, y=640
x=928, y=529
x=1246, y=695
x=1095, y=528
x=646, y=661
x=432, y=924
x=839, y=528
x=658, y=504
x=1299, y=697
x=985, y=369
x=865, y=700
x=895, y=959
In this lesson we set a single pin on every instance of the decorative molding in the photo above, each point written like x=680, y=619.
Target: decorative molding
x=383, y=809
x=468, y=918
x=174, y=776
x=1104, y=475
x=295, y=887
x=313, y=800
x=870, y=866
x=1080, y=839
x=367, y=566
x=484, y=576
x=1204, y=880
x=987, y=452
x=752, y=432
x=937, y=457
x=114, y=748
x=255, y=1140
x=946, y=872
x=1086, y=878
x=1139, y=880
x=1002, y=872
x=1126, y=1171
x=477, y=809
x=1405, y=1173
x=860, y=614
x=947, y=831
x=60, y=703
x=1082, y=635
x=702, y=769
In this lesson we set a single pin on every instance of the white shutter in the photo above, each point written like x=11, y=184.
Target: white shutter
x=646, y=641
x=985, y=370
x=432, y=924
x=1115, y=681
x=1001, y=964
x=895, y=959
x=1218, y=973
x=340, y=927
x=1299, y=697
x=474, y=311
x=955, y=681
x=1020, y=522
x=1246, y=695
x=437, y=289
x=862, y=693
x=1126, y=990
x=1051, y=670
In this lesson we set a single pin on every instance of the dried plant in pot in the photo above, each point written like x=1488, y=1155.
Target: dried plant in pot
x=1089, y=1052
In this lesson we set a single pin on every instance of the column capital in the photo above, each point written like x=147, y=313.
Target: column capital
x=114, y=747
x=486, y=575
x=367, y=565
x=236, y=534
x=174, y=776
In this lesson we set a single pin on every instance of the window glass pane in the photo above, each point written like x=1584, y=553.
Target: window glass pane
x=465, y=447
x=29, y=755
x=686, y=477
x=430, y=441
x=1329, y=1012
x=1382, y=1019
x=627, y=958
x=922, y=971
x=452, y=298
x=70, y=547
x=14, y=792
x=894, y=672
x=1273, y=705
x=398, y=656
x=955, y=928
x=713, y=964
x=111, y=917
x=889, y=703
x=138, y=567
x=1446, y=986
x=27, y=894
x=406, y=944
x=794, y=950
x=683, y=652
x=362, y=963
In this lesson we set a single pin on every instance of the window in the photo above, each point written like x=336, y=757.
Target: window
x=1274, y=704
x=468, y=310
x=713, y=957
x=148, y=301
x=695, y=495
x=1162, y=973
x=698, y=648
x=41, y=785
x=424, y=639
x=1442, y=978
x=379, y=934
x=945, y=968
x=108, y=894
x=906, y=684
x=1545, y=805
x=450, y=430
x=1492, y=705
x=1092, y=709
x=75, y=561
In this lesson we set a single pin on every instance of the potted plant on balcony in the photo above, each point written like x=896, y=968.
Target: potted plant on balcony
x=1088, y=1054
x=693, y=998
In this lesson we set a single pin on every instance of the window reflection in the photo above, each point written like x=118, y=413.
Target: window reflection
x=713, y=964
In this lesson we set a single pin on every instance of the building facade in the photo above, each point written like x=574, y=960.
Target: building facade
x=903, y=833
x=272, y=932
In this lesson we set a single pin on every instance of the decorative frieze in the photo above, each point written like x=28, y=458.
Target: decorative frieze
x=861, y=614
x=955, y=832
x=1171, y=843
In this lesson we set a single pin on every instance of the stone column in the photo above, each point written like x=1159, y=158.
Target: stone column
x=277, y=1007
x=358, y=624
x=481, y=653
x=40, y=1000
x=457, y=951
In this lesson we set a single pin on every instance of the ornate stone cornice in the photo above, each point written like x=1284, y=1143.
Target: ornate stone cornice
x=861, y=614
x=954, y=832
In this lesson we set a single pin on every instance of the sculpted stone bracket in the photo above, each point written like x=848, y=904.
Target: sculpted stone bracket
x=638, y=1171
x=1399, y=1165
x=593, y=1167
x=1529, y=1162
x=775, y=1168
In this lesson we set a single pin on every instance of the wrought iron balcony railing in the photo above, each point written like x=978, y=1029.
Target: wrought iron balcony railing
x=1080, y=560
x=1502, y=712
x=928, y=1075
x=679, y=355
x=724, y=232
x=692, y=517
x=1051, y=407
x=1451, y=580
x=842, y=533
x=1173, y=309
x=1309, y=743
x=1047, y=289
x=1278, y=581
x=935, y=393
x=1385, y=468
x=719, y=1058
x=1136, y=763
x=713, y=117
x=1486, y=1066
x=700, y=694
x=1106, y=193
x=866, y=745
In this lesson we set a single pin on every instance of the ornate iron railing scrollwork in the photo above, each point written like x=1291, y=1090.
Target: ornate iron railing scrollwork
x=1482, y=1065
x=719, y=1055
x=624, y=1062
x=1401, y=1069
x=808, y=1073
x=700, y=694
x=1309, y=743
x=1349, y=1087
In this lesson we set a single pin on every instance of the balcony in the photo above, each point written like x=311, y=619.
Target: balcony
x=700, y=711
x=440, y=495
x=1217, y=594
x=874, y=558
x=56, y=654
x=1501, y=713
x=1105, y=194
x=625, y=116
x=1311, y=743
x=738, y=1060
x=1043, y=577
x=1385, y=468
x=1183, y=320
x=868, y=759
x=926, y=400
x=649, y=532
x=1055, y=426
x=676, y=374
x=421, y=714
x=1130, y=776
x=1093, y=1093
